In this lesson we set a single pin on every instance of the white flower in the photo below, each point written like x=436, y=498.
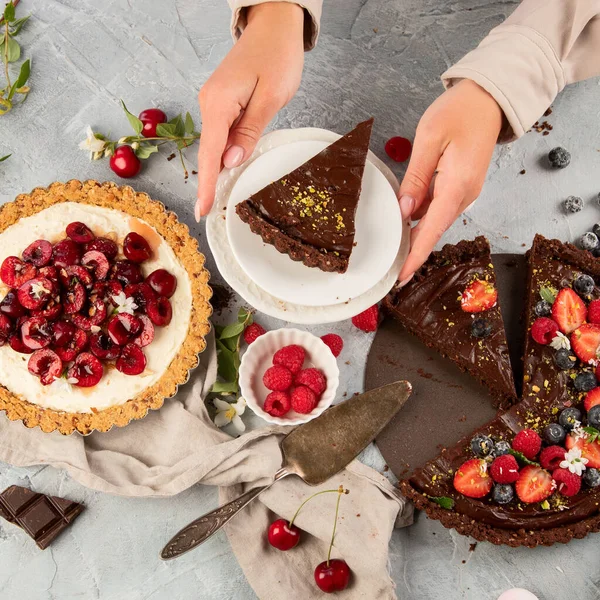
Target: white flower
x=91, y=143
x=577, y=431
x=574, y=461
x=63, y=384
x=230, y=413
x=123, y=303
x=560, y=340
x=37, y=289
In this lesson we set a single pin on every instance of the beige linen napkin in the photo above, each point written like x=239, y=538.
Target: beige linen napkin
x=178, y=446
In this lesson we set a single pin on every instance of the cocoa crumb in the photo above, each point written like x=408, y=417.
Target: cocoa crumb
x=358, y=514
x=522, y=172
x=171, y=156
x=472, y=547
x=375, y=29
x=464, y=221
x=548, y=112
x=194, y=172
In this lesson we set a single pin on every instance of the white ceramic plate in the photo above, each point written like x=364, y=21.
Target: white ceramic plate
x=378, y=234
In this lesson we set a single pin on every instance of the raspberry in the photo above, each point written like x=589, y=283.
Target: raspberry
x=367, y=320
x=528, y=443
x=335, y=343
x=312, y=378
x=291, y=357
x=543, y=330
x=303, y=399
x=277, y=404
x=252, y=332
x=551, y=457
x=277, y=378
x=593, y=315
x=568, y=484
x=398, y=148
x=505, y=469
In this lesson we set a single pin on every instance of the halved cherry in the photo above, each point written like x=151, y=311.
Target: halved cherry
x=74, y=347
x=6, y=328
x=79, y=232
x=69, y=275
x=147, y=334
x=51, y=311
x=123, y=327
x=97, y=262
x=62, y=333
x=35, y=293
x=65, y=253
x=105, y=246
x=16, y=343
x=87, y=370
x=132, y=360
x=160, y=311
x=49, y=272
x=11, y=307
x=141, y=293
x=74, y=298
x=136, y=248
x=103, y=347
x=14, y=272
x=46, y=365
x=35, y=333
x=126, y=272
x=38, y=253
x=93, y=316
x=162, y=282
x=105, y=290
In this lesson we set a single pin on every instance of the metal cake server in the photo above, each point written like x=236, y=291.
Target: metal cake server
x=315, y=451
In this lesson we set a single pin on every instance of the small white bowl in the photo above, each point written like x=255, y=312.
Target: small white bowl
x=259, y=357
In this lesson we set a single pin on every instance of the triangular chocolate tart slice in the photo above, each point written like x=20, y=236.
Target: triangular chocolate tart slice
x=558, y=514
x=309, y=213
x=451, y=305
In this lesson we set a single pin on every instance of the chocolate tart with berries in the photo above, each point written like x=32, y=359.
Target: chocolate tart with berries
x=104, y=310
x=451, y=305
x=532, y=475
x=309, y=213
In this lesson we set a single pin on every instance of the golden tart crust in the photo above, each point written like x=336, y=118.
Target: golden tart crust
x=185, y=247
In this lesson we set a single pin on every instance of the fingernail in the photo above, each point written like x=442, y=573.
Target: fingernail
x=233, y=157
x=197, y=213
x=405, y=281
x=407, y=205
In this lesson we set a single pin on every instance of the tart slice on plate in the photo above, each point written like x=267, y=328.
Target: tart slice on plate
x=105, y=306
x=451, y=304
x=309, y=213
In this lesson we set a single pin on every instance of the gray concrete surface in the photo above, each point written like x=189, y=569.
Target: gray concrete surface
x=375, y=57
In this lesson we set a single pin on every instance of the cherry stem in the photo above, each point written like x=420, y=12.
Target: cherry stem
x=309, y=499
x=340, y=491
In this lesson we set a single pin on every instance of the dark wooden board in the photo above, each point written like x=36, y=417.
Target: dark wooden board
x=446, y=404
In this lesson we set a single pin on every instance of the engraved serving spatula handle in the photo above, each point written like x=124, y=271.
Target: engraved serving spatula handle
x=198, y=531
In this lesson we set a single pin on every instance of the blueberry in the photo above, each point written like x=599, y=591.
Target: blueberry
x=542, y=309
x=586, y=381
x=596, y=227
x=559, y=158
x=501, y=448
x=593, y=416
x=481, y=328
x=554, y=433
x=482, y=445
x=573, y=204
x=591, y=477
x=564, y=359
x=584, y=284
x=568, y=417
x=588, y=241
x=503, y=493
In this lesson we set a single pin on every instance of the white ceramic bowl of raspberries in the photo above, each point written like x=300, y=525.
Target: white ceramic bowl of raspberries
x=288, y=376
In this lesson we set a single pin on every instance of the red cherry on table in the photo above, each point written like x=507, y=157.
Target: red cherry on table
x=332, y=577
x=150, y=118
x=282, y=535
x=125, y=163
x=398, y=148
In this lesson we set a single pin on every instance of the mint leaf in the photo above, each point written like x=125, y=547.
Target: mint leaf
x=522, y=458
x=165, y=130
x=14, y=50
x=548, y=294
x=21, y=79
x=232, y=330
x=593, y=434
x=189, y=124
x=179, y=127
x=226, y=363
x=18, y=25
x=225, y=387
x=3, y=158
x=443, y=501
x=9, y=12
x=133, y=120
x=146, y=150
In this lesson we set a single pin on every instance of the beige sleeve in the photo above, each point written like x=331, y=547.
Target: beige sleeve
x=527, y=60
x=312, y=17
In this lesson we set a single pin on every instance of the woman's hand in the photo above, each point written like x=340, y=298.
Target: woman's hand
x=258, y=77
x=453, y=147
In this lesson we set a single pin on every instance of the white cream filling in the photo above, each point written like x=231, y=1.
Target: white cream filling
x=114, y=388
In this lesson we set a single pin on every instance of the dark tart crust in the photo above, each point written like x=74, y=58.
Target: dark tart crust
x=185, y=247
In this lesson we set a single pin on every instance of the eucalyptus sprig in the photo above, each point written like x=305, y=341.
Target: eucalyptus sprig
x=10, y=51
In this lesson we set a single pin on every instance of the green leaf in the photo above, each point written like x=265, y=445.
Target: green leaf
x=133, y=120
x=18, y=25
x=165, y=130
x=226, y=363
x=21, y=79
x=3, y=158
x=548, y=294
x=14, y=50
x=231, y=343
x=232, y=330
x=146, y=150
x=225, y=387
x=593, y=434
x=189, y=124
x=9, y=12
x=522, y=458
x=179, y=126
x=443, y=501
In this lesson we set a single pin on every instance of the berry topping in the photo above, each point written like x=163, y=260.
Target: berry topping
x=103, y=347
x=11, y=307
x=482, y=445
x=74, y=298
x=554, y=433
x=46, y=365
x=146, y=336
x=569, y=310
x=588, y=241
x=534, y=484
x=282, y=535
x=136, y=248
x=551, y=457
x=49, y=272
x=585, y=382
x=162, y=282
x=312, y=378
x=592, y=398
x=86, y=371
x=6, y=326
x=35, y=293
x=593, y=417
x=62, y=333
x=14, y=272
x=105, y=246
x=253, y=331
x=291, y=357
x=97, y=262
x=141, y=293
x=505, y=469
x=585, y=341
x=332, y=575
x=368, y=320
x=593, y=315
x=303, y=399
x=591, y=477
x=573, y=204
x=559, y=157
x=126, y=272
x=277, y=404
x=569, y=418
x=584, y=284
x=93, y=316
x=277, y=378
x=542, y=309
x=478, y=297
x=16, y=343
x=481, y=328
x=74, y=347
x=125, y=163
x=66, y=253
x=564, y=359
x=150, y=118
x=132, y=360
x=398, y=148
x=51, y=311
x=123, y=327
x=472, y=479
x=528, y=443
x=38, y=253
x=567, y=483
x=334, y=342
x=544, y=330
x=73, y=273
x=589, y=450
x=79, y=232
x=35, y=333
x=501, y=448
x=502, y=493
x=160, y=311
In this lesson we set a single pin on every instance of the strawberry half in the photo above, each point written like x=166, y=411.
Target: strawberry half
x=478, y=297
x=472, y=479
x=585, y=341
x=589, y=450
x=534, y=484
x=592, y=398
x=568, y=310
